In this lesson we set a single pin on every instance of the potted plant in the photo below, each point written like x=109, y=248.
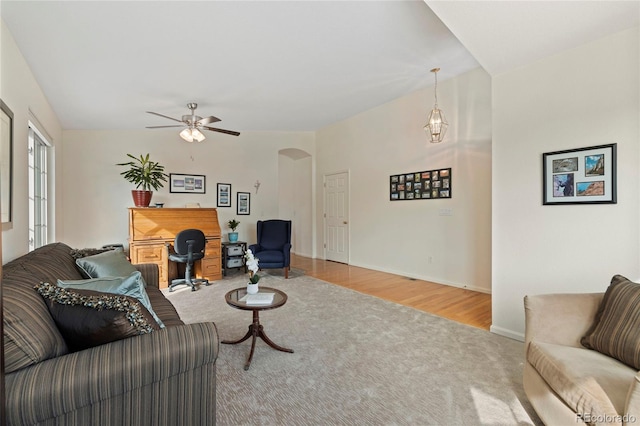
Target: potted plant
x=146, y=174
x=233, y=235
x=252, y=265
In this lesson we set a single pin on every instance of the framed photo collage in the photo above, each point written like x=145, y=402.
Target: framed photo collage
x=425, y=185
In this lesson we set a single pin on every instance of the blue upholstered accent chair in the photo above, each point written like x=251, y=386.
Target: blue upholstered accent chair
x=273, y=249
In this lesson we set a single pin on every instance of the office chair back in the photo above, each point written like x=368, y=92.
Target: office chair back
x=188, y=247
x=181, y=243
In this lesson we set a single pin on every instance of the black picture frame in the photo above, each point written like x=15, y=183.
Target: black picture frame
x=580, y=176
x=243, y=203
x=190, y=184
x=6, y=163
x=224, y=195
x=425, y=185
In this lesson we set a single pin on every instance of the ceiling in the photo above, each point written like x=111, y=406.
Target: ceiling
x=278, y=65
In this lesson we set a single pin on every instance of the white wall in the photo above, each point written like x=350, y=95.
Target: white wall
x=20, y=91
x=96, y=197
x=400, y=236
x=583, y=97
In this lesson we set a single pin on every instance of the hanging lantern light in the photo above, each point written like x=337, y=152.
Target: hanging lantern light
x=436, y=126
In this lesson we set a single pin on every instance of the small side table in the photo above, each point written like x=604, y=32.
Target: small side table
x=233, y=256
x=234, y=297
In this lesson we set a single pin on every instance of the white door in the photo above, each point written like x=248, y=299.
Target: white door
x=336, y=223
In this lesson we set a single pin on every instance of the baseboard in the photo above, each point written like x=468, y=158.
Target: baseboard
x=302, y=254
x=422, y=277
x=507, y=333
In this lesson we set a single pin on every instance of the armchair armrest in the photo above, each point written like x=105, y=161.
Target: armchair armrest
x=150, y=272
x=254, y=248
x=559, y=318
x=95, y=375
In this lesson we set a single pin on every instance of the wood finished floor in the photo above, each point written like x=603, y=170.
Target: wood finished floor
x=457, y=304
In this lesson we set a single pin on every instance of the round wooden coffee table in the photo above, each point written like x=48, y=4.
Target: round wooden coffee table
x=235, y=298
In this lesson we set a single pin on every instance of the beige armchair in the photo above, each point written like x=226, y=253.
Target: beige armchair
x=565, y=382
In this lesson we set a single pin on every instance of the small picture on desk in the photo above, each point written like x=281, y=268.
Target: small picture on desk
x=243, y=203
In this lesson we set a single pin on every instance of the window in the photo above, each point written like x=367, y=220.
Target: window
x=38, y=189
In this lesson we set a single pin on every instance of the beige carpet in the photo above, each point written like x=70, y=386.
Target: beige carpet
x=358, y=360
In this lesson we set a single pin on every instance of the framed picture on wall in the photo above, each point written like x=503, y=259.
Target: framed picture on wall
x=580, y=176
x=224, y=195
x=192, y=184
x=424, y=185
x=243, y=203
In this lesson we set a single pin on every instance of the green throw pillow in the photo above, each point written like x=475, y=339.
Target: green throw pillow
x=87, y=318
x=616, y=329
x=112, y=263
x=132, y=285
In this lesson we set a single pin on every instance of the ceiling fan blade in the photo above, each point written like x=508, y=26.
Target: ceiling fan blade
x=228, y=132
x=159, y=127
x=207, y=120
x=165, y=116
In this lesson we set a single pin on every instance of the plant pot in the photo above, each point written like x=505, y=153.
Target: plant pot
x=233, y=237
x=141, y=198
x=252, y=288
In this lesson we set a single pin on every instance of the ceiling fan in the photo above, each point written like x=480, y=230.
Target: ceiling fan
x=193, y=124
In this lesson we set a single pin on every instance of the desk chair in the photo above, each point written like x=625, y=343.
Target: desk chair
x=273, y=249
x=187, y=248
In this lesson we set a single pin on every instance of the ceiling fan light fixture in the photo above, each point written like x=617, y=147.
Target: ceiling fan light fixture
x=186, y=135
x=197, y=135
x=193, y=125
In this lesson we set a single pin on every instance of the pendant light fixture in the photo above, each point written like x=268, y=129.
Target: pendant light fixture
x=437, y=124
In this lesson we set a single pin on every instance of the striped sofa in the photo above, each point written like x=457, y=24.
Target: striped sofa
x=167, y=377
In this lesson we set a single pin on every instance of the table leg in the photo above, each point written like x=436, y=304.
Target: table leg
x=242, y=339
x=256, y=330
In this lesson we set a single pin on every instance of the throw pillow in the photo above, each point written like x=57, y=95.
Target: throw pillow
x=88, y=318
x=111, y=263
x=616, y=329
x=132, y=286
x=80, y=253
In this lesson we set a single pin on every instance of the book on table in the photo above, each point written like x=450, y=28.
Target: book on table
x=258, y=299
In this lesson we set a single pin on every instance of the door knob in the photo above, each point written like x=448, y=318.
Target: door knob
x=345, y=222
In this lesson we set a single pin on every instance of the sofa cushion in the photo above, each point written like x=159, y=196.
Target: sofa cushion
x=616, y=328
x=270, y=256
x=587, y=381
x=132, y=286
x=30, y=334
x=112, y=263
x=88, y=318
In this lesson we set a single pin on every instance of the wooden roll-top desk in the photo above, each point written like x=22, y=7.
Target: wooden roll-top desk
x=152, y=229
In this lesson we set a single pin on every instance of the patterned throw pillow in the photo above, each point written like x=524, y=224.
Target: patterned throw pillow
x=80, y=253
x=132, y=285
x=616, y=329
x=87, y=318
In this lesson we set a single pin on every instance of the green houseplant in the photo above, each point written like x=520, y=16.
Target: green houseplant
x=233, y=235
x=145, y=174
